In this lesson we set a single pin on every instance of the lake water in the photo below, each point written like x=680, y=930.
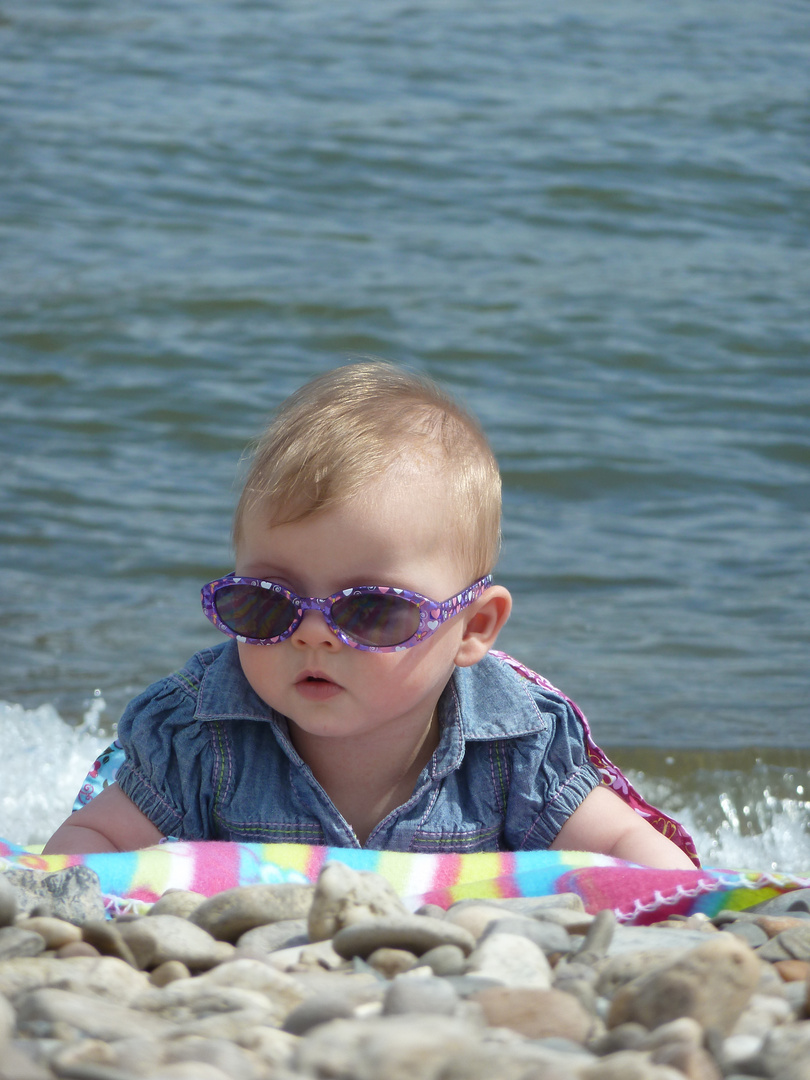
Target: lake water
x=589, y=221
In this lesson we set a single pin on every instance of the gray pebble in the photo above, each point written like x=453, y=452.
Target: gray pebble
x=108, y=940
x=598, y=937
x=315, y=1011
x=793, y=902
x=285, y=934
x=747, y=931
x=16, y=942
x=417, y=933
x=796, y=942
x=228, y=915
x=423, y=994
x=467, y=985
x=548, y=936
x=445, y=960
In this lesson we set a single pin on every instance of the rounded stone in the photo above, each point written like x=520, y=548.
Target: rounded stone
x=536, y=1014
x=54, y=932
x=425, y=995
x=16, y=942
x=391, y=962
x=548, y=936
x=445, y=960
x=107, y=939
x=796, y=941
x=474, y=916
x=274, y=936
x=180, y=902
x=229, y=914
x=598, y=937
x=77, y=948
x=747, y=931
x=168, y=972
x=512, y=960
x=416, y=933
x=793, y=970
x=318, y=1010
x=156, y=939
x=343, y=897
x=712, y=983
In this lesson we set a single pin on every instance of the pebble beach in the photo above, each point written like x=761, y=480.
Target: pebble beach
x=340, y=981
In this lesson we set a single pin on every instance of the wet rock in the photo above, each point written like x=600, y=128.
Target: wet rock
x=712, y=983
x=228, y=915
x=343, y=897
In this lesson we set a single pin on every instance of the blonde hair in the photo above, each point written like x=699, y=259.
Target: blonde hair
x=344, y=429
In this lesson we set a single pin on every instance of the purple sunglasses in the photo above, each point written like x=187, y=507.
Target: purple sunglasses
x=372, y=617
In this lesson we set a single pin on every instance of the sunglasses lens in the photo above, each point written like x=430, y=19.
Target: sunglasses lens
x=374, y=619
x=253, y=612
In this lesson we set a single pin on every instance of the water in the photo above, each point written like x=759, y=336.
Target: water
x=590, y=222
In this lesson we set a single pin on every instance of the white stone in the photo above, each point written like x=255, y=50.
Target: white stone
x=511, y=960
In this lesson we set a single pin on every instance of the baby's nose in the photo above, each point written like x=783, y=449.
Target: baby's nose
x=313, y=630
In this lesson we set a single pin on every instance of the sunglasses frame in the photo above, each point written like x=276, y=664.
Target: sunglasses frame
x=432, y=613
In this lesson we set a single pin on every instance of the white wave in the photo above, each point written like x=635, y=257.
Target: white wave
x=43, y=763
x=737, y=825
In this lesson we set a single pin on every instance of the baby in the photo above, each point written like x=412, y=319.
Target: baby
x=357, y=702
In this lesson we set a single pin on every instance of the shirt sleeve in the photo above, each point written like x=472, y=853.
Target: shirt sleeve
x=169, y=760
x=551, y=775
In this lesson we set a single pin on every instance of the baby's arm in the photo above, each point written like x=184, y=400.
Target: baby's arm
x=111, y=822
x=603, y=822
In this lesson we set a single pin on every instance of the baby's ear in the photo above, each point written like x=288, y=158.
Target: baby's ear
x=483, y=621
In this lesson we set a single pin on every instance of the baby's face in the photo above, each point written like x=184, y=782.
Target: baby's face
x=396, y=535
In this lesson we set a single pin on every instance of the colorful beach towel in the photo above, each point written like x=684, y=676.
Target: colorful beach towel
x=132, y=881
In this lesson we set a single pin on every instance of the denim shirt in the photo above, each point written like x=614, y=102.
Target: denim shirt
x=207, y=759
